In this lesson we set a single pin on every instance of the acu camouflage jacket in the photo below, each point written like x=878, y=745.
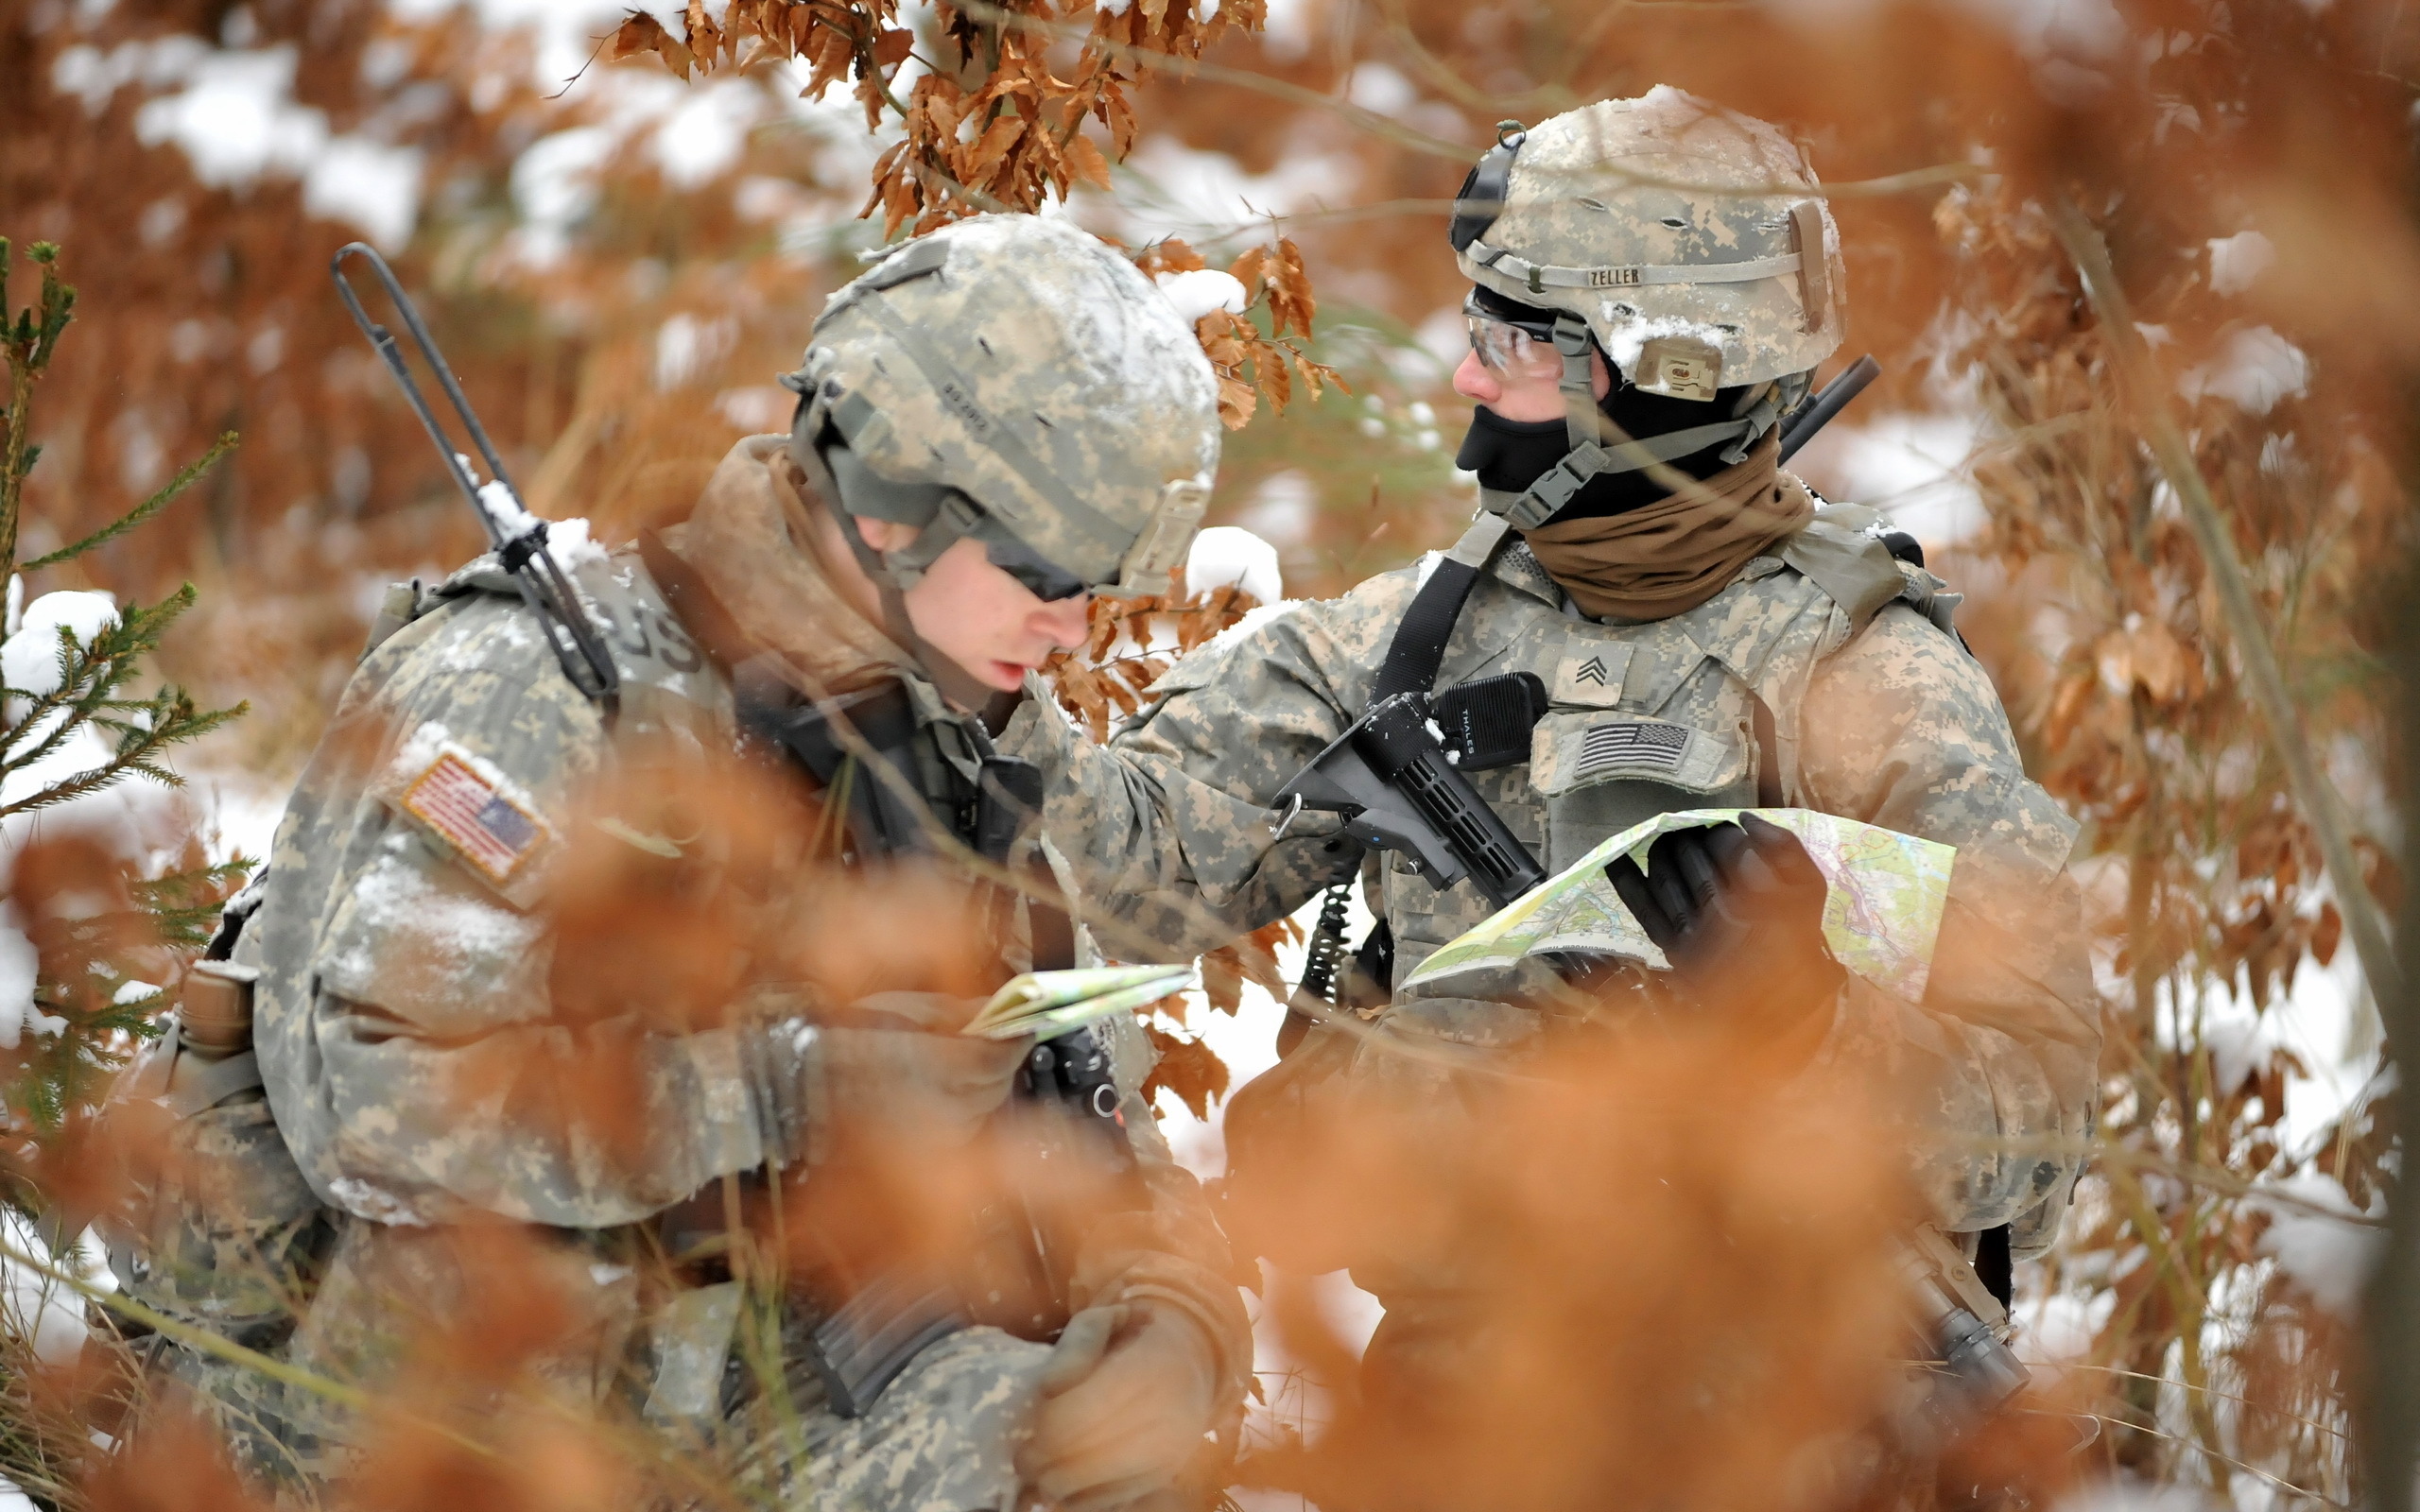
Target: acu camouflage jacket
x=406, y=1034
x=1877, y=713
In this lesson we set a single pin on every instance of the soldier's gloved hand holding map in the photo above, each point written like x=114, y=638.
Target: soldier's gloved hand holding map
x=1738, y=911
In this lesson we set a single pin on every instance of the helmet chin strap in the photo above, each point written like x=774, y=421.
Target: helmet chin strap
x=1588, y=430
x=955, y=683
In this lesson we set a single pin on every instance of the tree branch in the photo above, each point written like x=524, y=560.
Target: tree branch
x=2315, y=795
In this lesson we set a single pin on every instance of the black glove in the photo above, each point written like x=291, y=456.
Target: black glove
x=1739, y=910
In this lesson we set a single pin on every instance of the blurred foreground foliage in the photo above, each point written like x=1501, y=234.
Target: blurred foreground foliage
x=2250, y=165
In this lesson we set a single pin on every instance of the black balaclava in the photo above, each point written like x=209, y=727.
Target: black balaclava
x=1510, y=454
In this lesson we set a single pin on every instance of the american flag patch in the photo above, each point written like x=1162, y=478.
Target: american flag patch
x=490, y=830
x=1641, y=745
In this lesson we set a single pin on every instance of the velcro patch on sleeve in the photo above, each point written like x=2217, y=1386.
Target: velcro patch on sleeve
x=471, y=806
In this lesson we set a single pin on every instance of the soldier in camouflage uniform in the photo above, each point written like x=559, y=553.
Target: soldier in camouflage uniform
x=1655, y=278
x=994, y=420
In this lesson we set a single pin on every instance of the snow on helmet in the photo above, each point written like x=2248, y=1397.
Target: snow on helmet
x=1690, y=238
x=1011, y=375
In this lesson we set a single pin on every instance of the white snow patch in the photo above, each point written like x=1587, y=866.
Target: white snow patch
x=367, y=183
x=2059, y=1328
x=1631, y=337
x=1281, y=508
x=567, y=541
x=1380, y=89
x=554, y=186
x=1200, y=290
x=2237, y=260
x=33, y=1307
x=504, y=507
x=1202, y=195
x=2130, y=1495
x=1911, y=465
x=30, y=657
x=2257, y=370
x=2329, y=1255
x=707, y=133
x=685, y=346
x=20, y=968
x=235, y=119
x=1230, y=554
x=758, y=409
x=572, y=546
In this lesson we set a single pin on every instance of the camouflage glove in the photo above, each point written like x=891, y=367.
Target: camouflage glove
x=1739, y=910
x=920, y=1081
x=1128, y=1394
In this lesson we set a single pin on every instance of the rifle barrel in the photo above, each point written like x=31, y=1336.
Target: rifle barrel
x=1801, y=428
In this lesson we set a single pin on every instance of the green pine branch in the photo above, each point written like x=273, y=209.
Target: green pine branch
x=100, y=956
x=28, y=339
x=143, y=511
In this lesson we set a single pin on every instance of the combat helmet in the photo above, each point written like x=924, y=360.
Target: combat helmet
x=1013, y=379
x=1690, y=244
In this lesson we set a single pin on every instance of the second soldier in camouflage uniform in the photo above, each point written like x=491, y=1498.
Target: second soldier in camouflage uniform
x=1704, y=637
x=995, y=419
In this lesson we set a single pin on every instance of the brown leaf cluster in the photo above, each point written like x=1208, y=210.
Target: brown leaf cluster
x=1131, y=641
x=993, y=127
x=1248, y=363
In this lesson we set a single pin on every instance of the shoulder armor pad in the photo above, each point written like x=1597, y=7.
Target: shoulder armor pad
x=1862, y=560
x=1854, y=569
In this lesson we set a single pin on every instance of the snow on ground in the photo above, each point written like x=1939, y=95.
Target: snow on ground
x=1911, y=465
x=2311, y=1241
x=2126, y=1495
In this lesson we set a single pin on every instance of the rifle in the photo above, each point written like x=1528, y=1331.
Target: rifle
x=1401, y=788
x=518, y=537
x=1801, y=427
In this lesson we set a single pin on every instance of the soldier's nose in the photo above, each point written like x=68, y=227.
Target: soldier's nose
x=1475, y=383
x=1066, y=621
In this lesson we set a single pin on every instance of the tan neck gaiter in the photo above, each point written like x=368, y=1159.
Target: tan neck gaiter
x=1668, y=557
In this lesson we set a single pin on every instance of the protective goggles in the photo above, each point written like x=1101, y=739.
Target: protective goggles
x=1039, y=575
x=1511, y=348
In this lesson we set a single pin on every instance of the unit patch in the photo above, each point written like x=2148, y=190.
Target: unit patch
x=470, y=809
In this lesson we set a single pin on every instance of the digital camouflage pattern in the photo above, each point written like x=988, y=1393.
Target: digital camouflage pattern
x=1035, y=369
x=1655, y=187
x=947, y=1430
x=412, y=1053
x=1879, y=715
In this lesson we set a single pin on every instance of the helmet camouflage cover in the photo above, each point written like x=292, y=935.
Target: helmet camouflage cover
x=1685, y=235
x=1037, y=372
